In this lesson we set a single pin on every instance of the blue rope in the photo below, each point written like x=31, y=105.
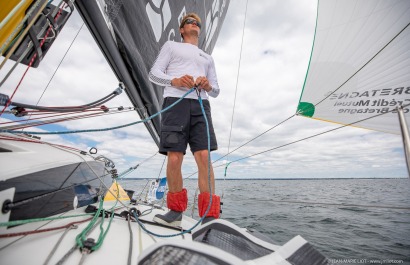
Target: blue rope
x=209, y=183
x=105, y=129
x=209, y=157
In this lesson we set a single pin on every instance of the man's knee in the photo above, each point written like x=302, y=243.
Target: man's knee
x=202, y=156
x=175, y=158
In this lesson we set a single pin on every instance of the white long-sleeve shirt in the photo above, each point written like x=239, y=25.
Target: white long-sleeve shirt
x=178, y=59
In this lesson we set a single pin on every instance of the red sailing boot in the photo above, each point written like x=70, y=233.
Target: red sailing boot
x=203, y=202
x=177, y=203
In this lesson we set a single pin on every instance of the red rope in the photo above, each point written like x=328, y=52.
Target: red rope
x=42, y=230
x=45, y=116
x=37, y=142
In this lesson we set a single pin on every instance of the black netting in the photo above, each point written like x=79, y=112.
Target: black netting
x=233, y=244
x=167, y=255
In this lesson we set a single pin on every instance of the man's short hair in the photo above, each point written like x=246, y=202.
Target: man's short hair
x=189, y=15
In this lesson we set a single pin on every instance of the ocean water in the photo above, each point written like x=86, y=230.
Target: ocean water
x=350, y=221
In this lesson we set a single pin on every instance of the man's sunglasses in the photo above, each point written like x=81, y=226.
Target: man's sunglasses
x=192, y=21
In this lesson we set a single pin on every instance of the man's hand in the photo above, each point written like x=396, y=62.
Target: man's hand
x=203, y=83
x=184, y=81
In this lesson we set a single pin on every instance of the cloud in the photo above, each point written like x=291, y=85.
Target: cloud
x=273, y=59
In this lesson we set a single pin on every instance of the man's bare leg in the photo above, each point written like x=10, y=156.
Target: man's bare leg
x=177, y=199
x=201, y=158
x=174, y=173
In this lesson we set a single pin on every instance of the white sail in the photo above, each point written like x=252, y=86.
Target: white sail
x=360, y=64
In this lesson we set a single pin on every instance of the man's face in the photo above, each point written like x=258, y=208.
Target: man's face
x=191, y=26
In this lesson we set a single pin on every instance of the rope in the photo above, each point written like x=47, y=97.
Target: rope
x=23, y=55
x=58, y=66
x=163, y=162
x=22, y=22
x=80, y=238
x=71, y=251
x=43, y=230
x=12, y=205
x=131, y=241
x=361, y=68
x=209, y=182
x=110, y=128
x=298, y=113
x=256, y=137
x=131, y=169
x=65, y=117
x=34, y=56
x=237, y=75
x=315, y=105
x=21, y=222
x=59, y=242
x=94, y=104
x=315, y=135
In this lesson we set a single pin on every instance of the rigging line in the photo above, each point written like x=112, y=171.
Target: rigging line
x=24, y=233
x=37, y=142
x=237, y=76
x=318, y=104
x=361, y=68
x=17, y=43
x=84, y=116
x=256, y=137
x=71, y=251
x=251, y=140
x=12, y=205
x=126, y=172
x=209, y=185
x=131, y=241
x=53, y=251
x=312, y=136
x=46, y=115
x=69, y=108
x=161, y=168
x=32, y=59
x=110, y=128
x=23, y=55
x=95, y=173
x=61, y=61
x=69, y=118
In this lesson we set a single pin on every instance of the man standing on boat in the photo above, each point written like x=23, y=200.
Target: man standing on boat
x=179, y=67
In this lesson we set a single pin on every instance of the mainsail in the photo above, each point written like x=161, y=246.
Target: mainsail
x=359, y=66
x=131, y=33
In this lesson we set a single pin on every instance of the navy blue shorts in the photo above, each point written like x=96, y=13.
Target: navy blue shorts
x=185, y=124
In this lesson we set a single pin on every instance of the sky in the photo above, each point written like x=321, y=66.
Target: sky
x=266, y=73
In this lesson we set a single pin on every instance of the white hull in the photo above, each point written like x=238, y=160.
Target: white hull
x=42, y=188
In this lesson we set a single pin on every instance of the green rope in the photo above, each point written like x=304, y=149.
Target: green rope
x=20, y=222
x=81, y=237
x=226, y=168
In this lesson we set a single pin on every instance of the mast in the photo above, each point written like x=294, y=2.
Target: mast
x=405, y=136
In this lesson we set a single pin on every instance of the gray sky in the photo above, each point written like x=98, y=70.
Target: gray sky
x=277, y=43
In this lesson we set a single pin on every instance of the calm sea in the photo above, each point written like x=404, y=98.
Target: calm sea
x=353, y=221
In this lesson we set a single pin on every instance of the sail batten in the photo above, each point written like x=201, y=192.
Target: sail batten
x=359, y=64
